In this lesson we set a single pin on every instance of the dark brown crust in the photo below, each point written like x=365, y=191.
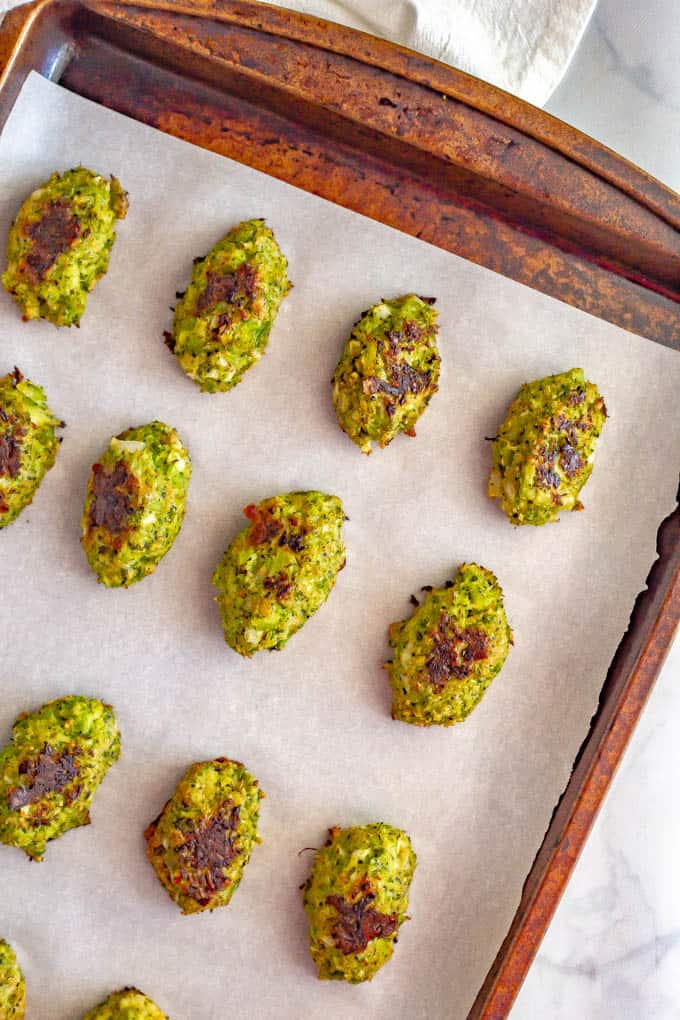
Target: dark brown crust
x=265, y=527
x=206, y=852
x=571, y=460
x=295, y=540
x=237, y=288
x=280, y=585
x=546, y=476
x=402, y=377
x=358, y=923
x=455, y=652
x=562, y=449
x=52, y=234
x=10, y=450
x=48, y=772
x=114, y=498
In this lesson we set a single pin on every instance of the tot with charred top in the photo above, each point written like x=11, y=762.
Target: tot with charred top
x=127, y=1004
x=449, y=650
x=135, y=502
x=50, y=771
x=280, y=569
x=356, y=898
x=388, y=372
x=202, y=840
x=223, y=320
x=28, y=443
x=60, y=243
x=12, y=985
x=544, y=450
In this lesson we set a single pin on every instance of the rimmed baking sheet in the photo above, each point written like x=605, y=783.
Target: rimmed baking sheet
x=313, y=721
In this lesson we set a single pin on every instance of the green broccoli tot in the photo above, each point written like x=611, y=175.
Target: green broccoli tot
x=280, y=569
x=356, y=898
x=543, y=453
x=223, y=320
x=28, y=443
x=60, y=242
x=12, y=985
x=134, y=506
x=388, y=371
x=449, y=650
x=202, y=840
x=50, y=772
x=128, y=1004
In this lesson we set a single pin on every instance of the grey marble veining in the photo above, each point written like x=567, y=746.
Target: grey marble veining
x=613, y=949
x=623, y=85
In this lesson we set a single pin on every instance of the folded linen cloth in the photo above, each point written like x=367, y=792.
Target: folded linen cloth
x=523, y=46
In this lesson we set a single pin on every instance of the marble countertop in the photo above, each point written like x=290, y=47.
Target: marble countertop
x=613, y=949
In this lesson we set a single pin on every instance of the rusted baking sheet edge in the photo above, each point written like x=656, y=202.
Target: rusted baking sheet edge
x=488, y=193
x=629, y=682
x=535, y=188
x=439, y=77
x=474, y=187
x=502, y=182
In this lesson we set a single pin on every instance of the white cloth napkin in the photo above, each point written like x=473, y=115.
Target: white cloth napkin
x=524, y=46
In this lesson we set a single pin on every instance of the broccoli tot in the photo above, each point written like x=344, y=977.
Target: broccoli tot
x=449, y=650
x=543, y=453
x=12, y=985
x=388, y=372
x=356, y=898
x=128, y=1004
x=202, y=840
x=50, y=772
x=28, y=443
x=280, y=569
x=60, y=242
x=223, y=320
x=134, y=505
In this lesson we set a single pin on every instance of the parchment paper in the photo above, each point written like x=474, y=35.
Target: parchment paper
x=313, y=721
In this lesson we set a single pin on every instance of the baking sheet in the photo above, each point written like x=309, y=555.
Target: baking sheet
x=312, y=723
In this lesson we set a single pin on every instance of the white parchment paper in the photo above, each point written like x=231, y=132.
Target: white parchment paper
x=313, y=721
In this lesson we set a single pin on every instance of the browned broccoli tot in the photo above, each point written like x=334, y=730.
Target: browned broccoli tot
x=202, y=840
x=28, y=443
x=12, y=985
x=544, y=451
x=280, y=569
x=356, y=898
x=127, y=1004
x=134, y=505
x=448, y=651
x=50, y=771
x=223, y=320
x=388, y=372
x=60, y=242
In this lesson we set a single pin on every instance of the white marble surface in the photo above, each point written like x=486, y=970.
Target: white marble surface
x=613, y=949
